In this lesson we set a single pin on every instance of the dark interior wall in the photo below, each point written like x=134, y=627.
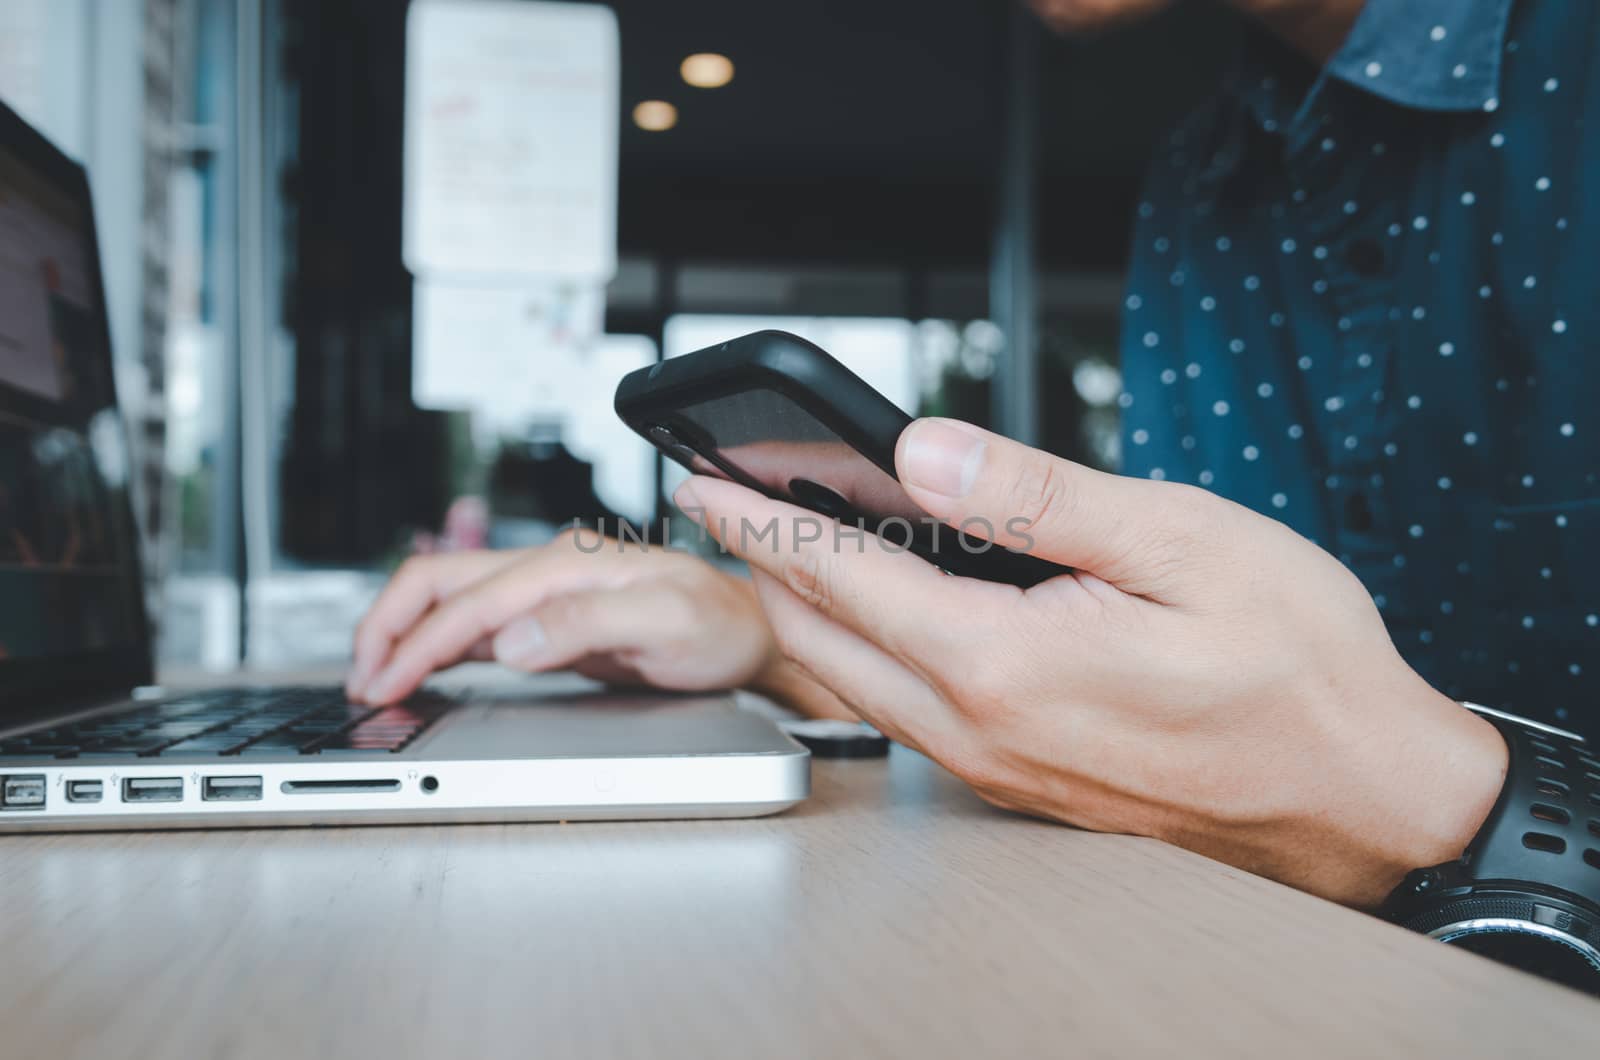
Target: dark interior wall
x=360, y=459
x=853, y=131
x=1105, y=101
x=869, y=131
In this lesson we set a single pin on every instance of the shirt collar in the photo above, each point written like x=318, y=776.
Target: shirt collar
x=1405, y=52
x=1427, y=54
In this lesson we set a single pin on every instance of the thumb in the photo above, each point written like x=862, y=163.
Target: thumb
x=564, y=629
x=1130, y=532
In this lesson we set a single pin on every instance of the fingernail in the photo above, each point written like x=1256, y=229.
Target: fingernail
x=942, y=459
x=519, y=641
x=687, y=501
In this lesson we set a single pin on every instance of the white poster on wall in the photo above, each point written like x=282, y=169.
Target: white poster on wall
x=624, y=467
x=511, y=139
x=510, y=354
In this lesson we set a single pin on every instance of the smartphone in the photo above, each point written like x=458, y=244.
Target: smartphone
x=776, y=413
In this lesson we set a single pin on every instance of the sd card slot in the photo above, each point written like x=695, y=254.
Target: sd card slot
x=337, y=787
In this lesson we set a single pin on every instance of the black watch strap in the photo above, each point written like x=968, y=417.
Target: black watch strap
x=1527, y=889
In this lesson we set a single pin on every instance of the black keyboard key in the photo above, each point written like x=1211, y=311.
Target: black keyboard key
x=107, y=733
x=312, y=729
x=209, y=721
x=173, y=711
x=268, y=721
x=249, y=731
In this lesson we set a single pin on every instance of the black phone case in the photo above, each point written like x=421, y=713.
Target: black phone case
x=807, y=375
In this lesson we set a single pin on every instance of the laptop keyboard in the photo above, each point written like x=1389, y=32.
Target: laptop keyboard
x=243, y=722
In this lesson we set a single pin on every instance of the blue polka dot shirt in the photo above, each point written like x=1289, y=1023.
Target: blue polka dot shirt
x=1363, y=301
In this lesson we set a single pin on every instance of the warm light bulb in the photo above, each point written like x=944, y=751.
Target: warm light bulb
x=655, y=115
x=707, y=70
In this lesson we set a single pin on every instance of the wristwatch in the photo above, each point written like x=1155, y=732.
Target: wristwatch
x=1527, y=890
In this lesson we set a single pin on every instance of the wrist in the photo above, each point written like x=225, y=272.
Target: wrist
x=784, y=682
x=1394, y=778
x=1525, y=892
x=1419, y=787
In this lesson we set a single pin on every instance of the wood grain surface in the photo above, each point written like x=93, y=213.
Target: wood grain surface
x=892, y=915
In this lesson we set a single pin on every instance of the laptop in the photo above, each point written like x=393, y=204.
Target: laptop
x=82, y=747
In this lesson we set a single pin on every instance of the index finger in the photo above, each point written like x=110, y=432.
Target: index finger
x=479, y=610
x=893, y=598
x=420, y=584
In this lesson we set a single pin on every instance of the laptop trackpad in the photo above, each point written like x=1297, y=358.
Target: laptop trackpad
x=601, y=724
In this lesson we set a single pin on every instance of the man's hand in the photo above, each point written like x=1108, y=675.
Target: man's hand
x=623, y=615
x=1207, y=677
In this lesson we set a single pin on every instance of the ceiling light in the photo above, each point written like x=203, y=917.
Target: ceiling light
x=655, y=115
x=707, y=70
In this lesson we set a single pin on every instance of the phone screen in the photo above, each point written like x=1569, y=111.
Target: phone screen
x=764, y=435
x=765, y=439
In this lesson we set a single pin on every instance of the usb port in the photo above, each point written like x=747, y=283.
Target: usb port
x=85, y=790
x=22, y=791
x=230, y=789
x=152, y=789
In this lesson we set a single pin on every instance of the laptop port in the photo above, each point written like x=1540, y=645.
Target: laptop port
x=22, y=791
x=85, y=790
x=337, y=787
x=152, y=789
x=230, y=789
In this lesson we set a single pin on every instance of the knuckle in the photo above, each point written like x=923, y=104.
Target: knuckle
x=984, y=691
x=1195, y=524
x=807, y=575
x=676, y=612
x=1197, y=511
x=451, y=637
x=461, y=620
x=565, y=612
x=1039, y=491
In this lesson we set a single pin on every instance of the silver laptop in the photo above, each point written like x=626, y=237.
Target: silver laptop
x=81, y=747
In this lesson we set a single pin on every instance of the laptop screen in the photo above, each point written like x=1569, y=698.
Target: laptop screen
x=69, y=584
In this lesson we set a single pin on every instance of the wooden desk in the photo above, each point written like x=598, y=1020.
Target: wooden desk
x=892, y=915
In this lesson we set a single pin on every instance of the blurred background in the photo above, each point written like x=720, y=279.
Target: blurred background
x=374, y=266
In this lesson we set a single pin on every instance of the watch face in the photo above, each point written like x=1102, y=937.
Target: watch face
x=1549, y=955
